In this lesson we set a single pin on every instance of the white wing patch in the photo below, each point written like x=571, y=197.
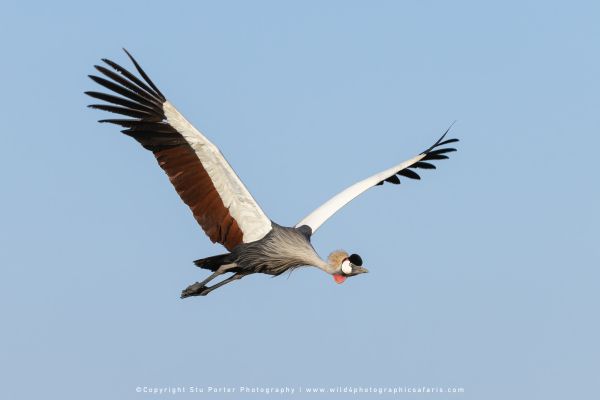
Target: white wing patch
x=315, y=219
x=243, y=208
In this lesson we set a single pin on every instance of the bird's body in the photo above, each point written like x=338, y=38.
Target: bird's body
x=218, y=199
x=282, y=249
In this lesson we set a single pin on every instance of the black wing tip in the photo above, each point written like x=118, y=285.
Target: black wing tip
x=441, y=141
x=435, y=152
x=137, y=99
x=129, y=55
x=143, y=74
x=145, y=83
x=108, y=62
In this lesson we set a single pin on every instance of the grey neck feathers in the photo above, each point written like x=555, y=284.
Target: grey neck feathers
x=325, y=266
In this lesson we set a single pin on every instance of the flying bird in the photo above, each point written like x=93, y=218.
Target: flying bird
x=218, y=199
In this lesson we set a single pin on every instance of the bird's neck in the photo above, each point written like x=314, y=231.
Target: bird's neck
x=315, y=260
x=327, y=267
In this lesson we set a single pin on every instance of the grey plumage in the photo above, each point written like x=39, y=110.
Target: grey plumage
x=281, y=250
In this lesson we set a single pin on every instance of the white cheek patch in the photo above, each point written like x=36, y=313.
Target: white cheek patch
x=346, y=267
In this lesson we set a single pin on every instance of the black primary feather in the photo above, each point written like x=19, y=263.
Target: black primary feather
x=422, y=165
x=433, y=156
x=119, y=101
x=393, y=179
x=121, y=110
x=409, y=174
x=442, y=151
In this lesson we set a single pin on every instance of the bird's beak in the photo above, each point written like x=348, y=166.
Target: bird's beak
x=359, y=270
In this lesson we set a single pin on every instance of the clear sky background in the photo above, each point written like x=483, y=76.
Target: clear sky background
x=484, y=274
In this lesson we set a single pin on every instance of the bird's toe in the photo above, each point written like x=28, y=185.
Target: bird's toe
x=192, y=290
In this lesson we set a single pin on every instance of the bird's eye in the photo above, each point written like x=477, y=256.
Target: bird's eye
x=346, y=266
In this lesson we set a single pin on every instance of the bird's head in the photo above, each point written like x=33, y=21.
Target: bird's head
x=344, y=265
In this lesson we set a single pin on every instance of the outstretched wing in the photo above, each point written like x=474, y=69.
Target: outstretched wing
x=436, y=152
x=202, y=177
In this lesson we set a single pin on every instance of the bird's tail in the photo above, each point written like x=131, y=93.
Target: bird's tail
x=214, y=262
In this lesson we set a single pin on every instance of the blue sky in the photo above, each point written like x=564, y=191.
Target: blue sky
x=483, y=274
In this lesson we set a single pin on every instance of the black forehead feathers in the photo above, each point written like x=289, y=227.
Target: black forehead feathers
x=355, y=259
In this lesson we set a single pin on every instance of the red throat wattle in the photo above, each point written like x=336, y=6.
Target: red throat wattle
x=339, y=278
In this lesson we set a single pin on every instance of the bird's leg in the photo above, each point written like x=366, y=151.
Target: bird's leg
x=234, y=277
x=196, y=288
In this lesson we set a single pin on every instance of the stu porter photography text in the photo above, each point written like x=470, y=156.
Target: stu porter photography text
x=288, y=390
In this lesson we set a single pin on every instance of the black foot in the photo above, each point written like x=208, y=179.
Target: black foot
x=194, y=290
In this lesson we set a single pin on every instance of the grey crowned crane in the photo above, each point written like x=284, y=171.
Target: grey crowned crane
x=218, y=199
